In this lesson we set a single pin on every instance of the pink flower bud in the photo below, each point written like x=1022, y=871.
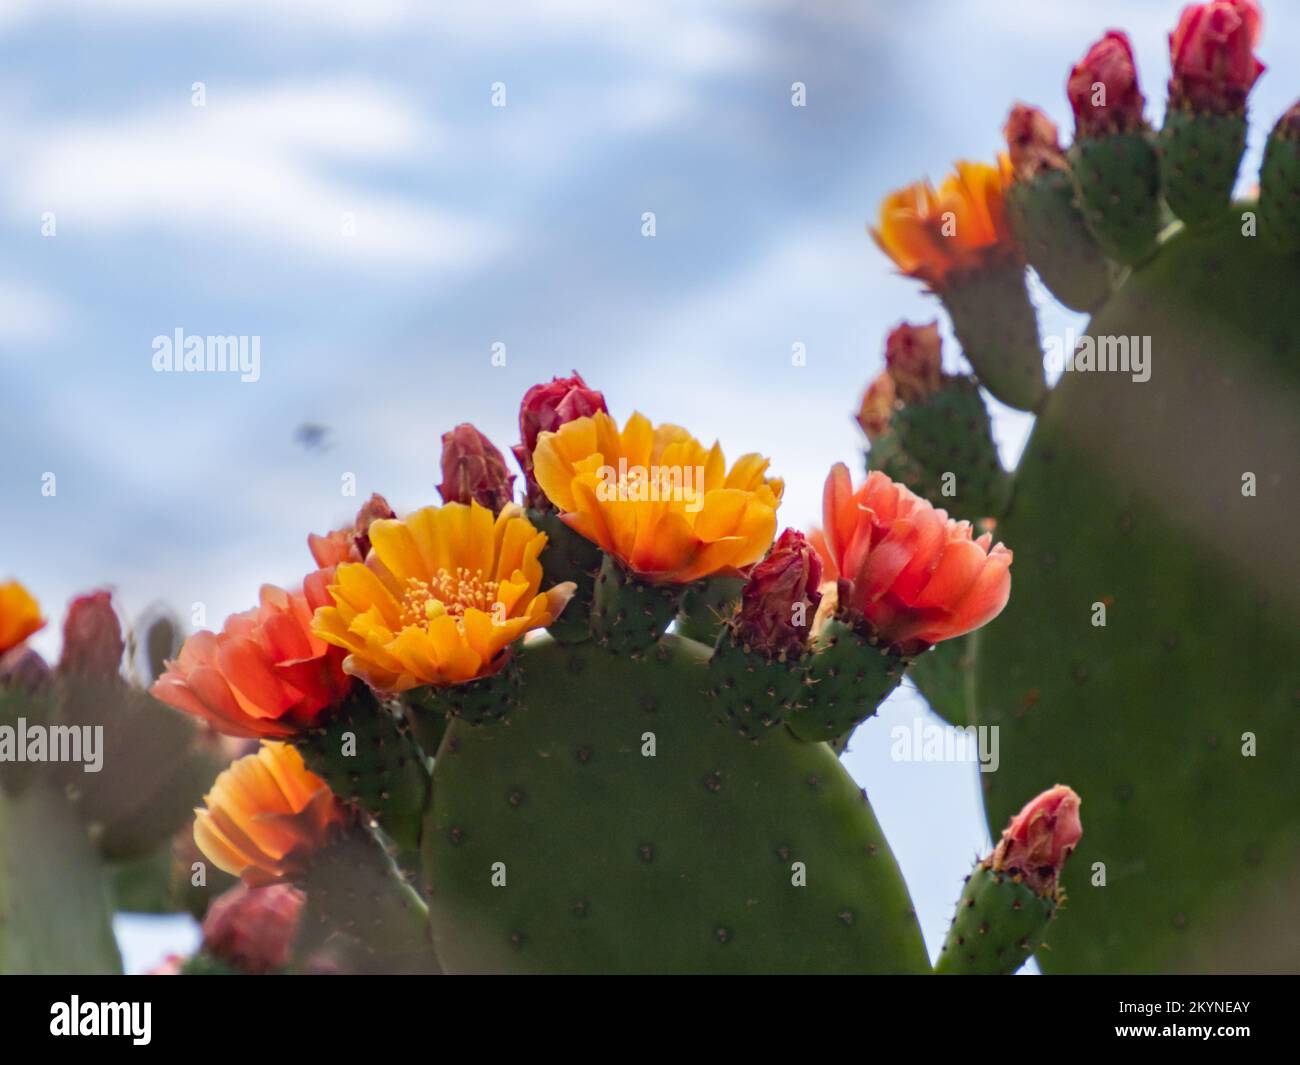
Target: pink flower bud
x=1032, y=143
x=913, y=354
x=780, y=598
x=92, y=638
x=544, y=409
x=1039, y=839
x=473, y=469
x=1103, y=89
x=22, y=669
x=352, y=542
x=1213, y=56
x=253, y=928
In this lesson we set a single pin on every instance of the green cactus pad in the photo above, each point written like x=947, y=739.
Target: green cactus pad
x=54, y=898
x=479, y=702
x=628, y=615
x=1118, y=178
x=609, y=860
x=998, y=331
x=154, y=767
x=569, y=556
x=999, y=923
x=368, y=757
x=1279, y=191
x=949, y=432
x=1172, y=503
x=849, y=676
x=354, y=890
x=1199, y=158
x=707, y=606
x=1045, y=215
x=944, y=675
x=755, y=692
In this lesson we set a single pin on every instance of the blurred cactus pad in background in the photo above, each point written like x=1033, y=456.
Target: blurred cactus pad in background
x=589, y=717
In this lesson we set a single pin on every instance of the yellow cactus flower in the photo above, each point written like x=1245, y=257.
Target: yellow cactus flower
x=440, y=598
x=20, y=615
x=656, y=499
x=265, y=815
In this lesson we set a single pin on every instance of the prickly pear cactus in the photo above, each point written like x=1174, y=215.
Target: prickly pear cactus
x=1149, y=653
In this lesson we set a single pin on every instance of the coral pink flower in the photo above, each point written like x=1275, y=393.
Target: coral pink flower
x=544, y=409
x=1213, y=56
x=1103, y=89
x=780, y=598
x=914, y=357
x=351, y=543
x=92, y=638
x=1037, y=840
x=912, y=575
x=253, y=929
x=266, y=674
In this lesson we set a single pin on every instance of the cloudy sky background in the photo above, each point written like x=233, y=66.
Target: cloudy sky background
x=474, y=226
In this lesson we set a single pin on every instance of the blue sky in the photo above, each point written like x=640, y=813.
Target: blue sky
x=476, y=225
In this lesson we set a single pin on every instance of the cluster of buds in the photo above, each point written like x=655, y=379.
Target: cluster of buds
x=913, y=372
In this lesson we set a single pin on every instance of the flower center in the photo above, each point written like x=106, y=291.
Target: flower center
x=457, y=592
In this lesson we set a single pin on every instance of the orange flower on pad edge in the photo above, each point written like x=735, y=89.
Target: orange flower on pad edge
x=934, y=234
x=914, y=575
x=266, y=815
x=443, y=594
x=654, y=498
x=266, y=674
x=20, y=615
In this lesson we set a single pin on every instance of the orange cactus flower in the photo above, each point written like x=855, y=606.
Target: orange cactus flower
x=266, y=674
x=878, y=404
x=933, y=235
x=913, y=575
x=20, y=615
x=266, y=815
x=656, y=499
x=444, y=593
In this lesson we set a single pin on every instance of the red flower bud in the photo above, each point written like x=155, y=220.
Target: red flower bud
x=22, y=669
x=780, y=598
x=545, y=408
x=913, y=354
x=253, y=929
x=92, y=638
x=1213, y=56
x=1032, y=143
x=877, y=407
x=1038, y=840
x=1103, y=89
x=473, y=469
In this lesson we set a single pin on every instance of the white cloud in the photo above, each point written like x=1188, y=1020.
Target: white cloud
x=28, y=313
x=254, y=163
